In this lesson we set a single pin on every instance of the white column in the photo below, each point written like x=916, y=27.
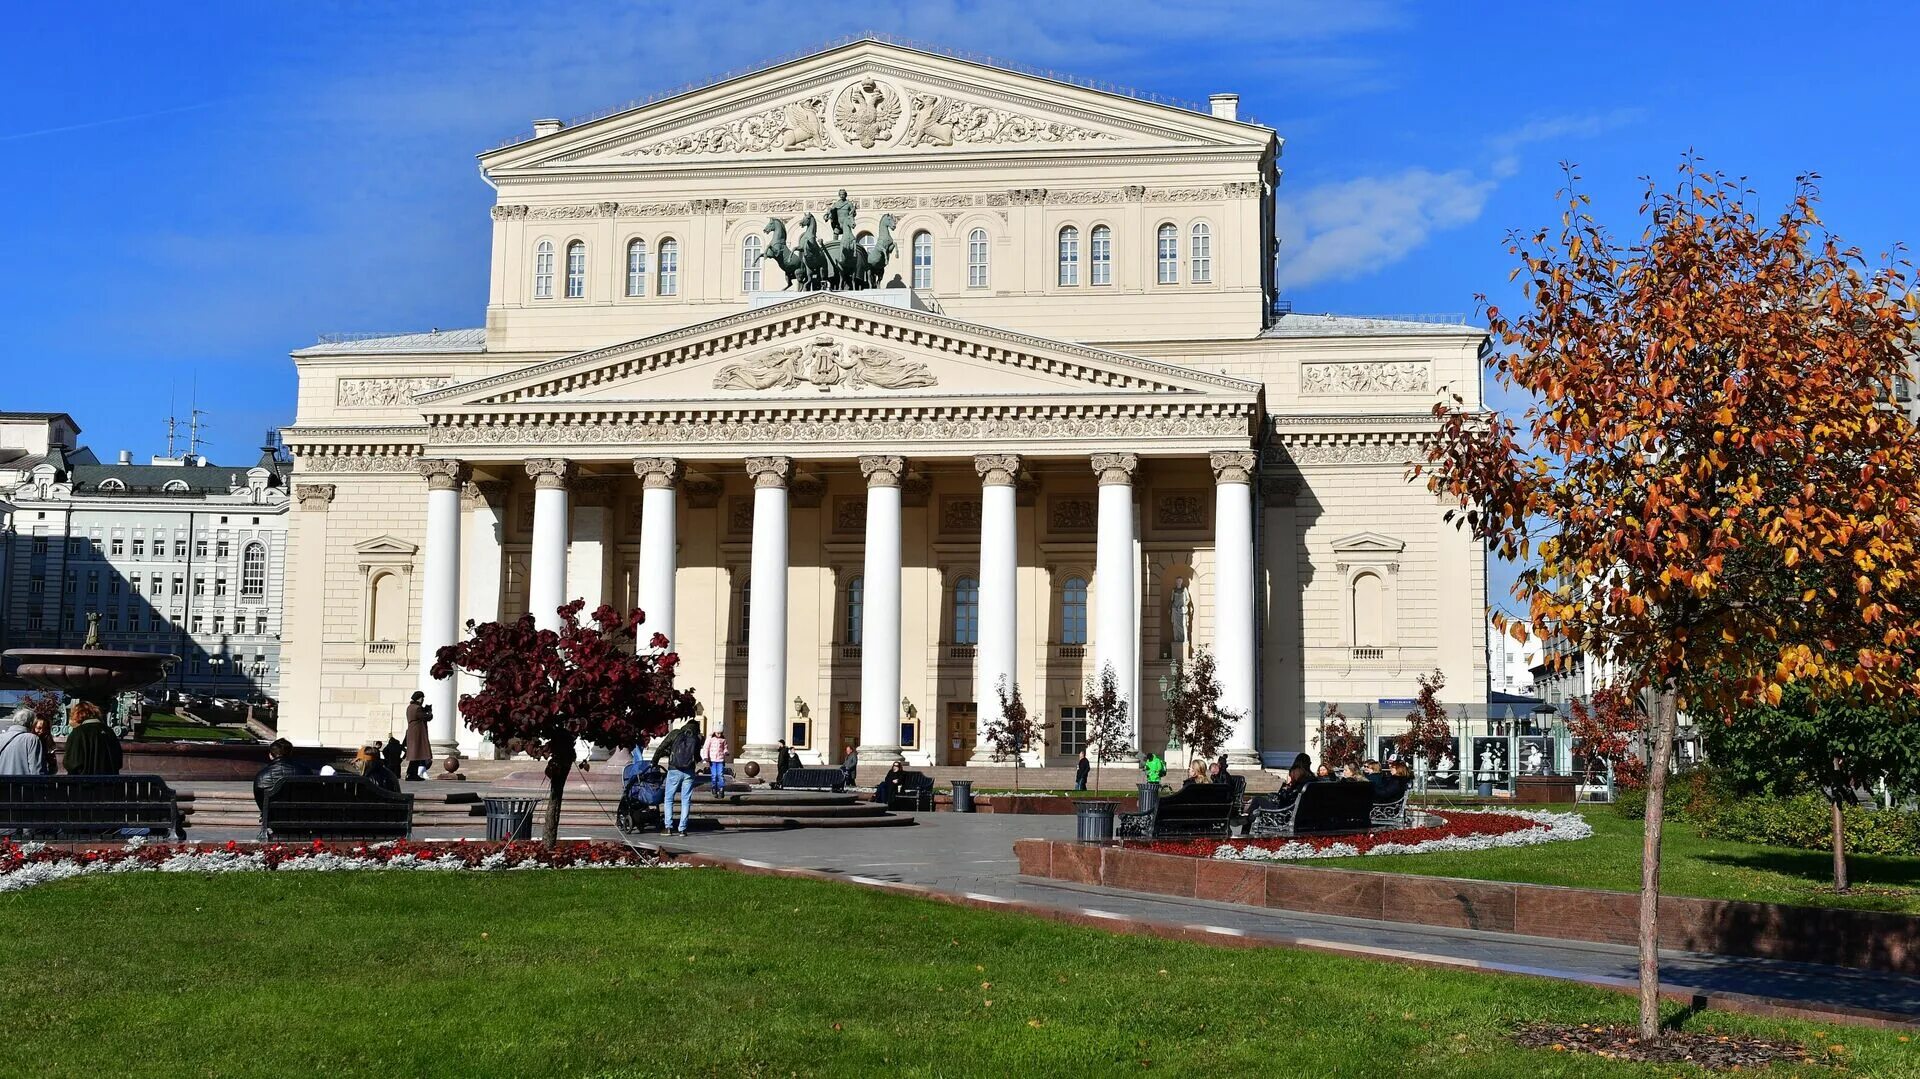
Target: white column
x=547, y=576
x=880, y=613
x=999, y=608
x=659, y=545
x=1233, y=598
x=767, y=599
x=1116, y=636
x=440, y=594
x=480, y=565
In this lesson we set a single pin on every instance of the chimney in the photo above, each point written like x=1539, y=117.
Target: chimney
x=126, y=457
x=1225, y=106
x=543, y=128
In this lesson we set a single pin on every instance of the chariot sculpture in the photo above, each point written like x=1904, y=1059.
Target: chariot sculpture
x=839, y=264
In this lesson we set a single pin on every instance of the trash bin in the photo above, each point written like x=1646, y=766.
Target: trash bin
x=1486, y=788
x=510, y=818
x=1095, y=821
x=1149, y=796
x=963, y=796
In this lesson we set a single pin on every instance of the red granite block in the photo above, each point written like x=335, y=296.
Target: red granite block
x=1077, y=862
x=1325, y=891
x=1230, y=882
x=1462, y=904
x=1576, y=914
x=1035, y=856
x=1138, y=871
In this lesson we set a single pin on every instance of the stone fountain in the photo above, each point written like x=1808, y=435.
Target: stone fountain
x=90, y=673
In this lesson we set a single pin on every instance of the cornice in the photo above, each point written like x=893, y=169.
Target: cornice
x=1020, y=162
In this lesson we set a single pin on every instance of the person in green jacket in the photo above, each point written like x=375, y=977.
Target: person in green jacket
x=92, y=747
x=1156, y=766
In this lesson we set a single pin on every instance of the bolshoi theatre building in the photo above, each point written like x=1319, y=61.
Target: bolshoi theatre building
x=879, y=378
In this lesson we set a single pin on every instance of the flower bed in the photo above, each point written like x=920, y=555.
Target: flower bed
x=25, y=865
x=1456, y=831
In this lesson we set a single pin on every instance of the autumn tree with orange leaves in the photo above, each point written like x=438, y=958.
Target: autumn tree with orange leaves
x=1716, y=496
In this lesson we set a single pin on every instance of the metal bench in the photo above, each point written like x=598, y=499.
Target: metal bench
x=89, y=807
x=1391, y=814
x=1330, y=806
x=911, y=791
x=334, y=807
x=1203, y=809
x=814, y=779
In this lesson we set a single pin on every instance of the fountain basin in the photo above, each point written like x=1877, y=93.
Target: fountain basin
x=91, y=674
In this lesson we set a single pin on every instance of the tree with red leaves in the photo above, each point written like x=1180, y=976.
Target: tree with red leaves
x=553, y=690
x=1195, y=716
x=1429, y=734
x=1604, y=729
x=1339, y=744
x=1014, y=731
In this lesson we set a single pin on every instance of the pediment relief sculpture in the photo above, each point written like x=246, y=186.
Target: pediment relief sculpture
x=866, y=114
x=825, y=364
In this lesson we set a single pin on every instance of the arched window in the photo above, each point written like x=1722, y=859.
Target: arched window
x=543, y=270
x=856, y=610
x=1073, y=611
x=112, y=485
x=923, y=259
x=1369, y=614
x=253, y=572
x=576, y=270
x=750, y=264
x=977, y=258
x=746, y=609
x=1069, y=256
x=175, y=487
x=1167, y=255
x=669, y=268
x=1201, y=255
x=966, y=611
x=865, y=240
x=637, y=268
x=1101, y=255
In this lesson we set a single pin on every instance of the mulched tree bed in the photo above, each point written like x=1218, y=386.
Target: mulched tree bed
x=1714, y=1052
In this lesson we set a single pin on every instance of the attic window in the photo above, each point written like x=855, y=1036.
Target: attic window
x=175, y=486
x=112, y=485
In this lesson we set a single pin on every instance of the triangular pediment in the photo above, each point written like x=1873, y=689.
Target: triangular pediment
x=389, y=546
x=1368, y=543
x=838, y=350
x=872, y=99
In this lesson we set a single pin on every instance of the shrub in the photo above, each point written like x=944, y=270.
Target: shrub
x=1805, y=822
x=1630, y=802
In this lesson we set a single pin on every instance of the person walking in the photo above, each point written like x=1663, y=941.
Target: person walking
x=782, y=760
x=681, y=751
x=21, y=752
x=1080, y=770
x=419, y=747
x=715, y=754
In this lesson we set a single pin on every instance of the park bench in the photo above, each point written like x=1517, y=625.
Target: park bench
x=75, y=807
x=334, y=807
x=1327, y=807
x=1200, y=810
x=813, y=779
x=1391, y=814
x=911, y=791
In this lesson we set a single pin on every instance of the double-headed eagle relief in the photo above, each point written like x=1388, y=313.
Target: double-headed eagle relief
x=845, y=261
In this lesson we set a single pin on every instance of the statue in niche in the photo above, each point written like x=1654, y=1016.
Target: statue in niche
x=1180, y=618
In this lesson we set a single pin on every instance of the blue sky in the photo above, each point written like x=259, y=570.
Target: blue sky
x=195, y=190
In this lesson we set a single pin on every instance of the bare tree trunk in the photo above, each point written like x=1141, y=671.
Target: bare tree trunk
x=557, y=768
x=1664, y=724
x=1840, y=883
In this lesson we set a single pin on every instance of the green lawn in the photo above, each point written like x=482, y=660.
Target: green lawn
x=163, y=727
x=1690, y=865
x=702, y=972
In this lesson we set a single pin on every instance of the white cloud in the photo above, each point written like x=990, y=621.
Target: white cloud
x=1350, y=228
x=1555, y=129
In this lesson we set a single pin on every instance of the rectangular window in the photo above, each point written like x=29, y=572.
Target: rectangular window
x=179, y=585
x=219, y=624
x=139, y=548
x=200, y=547
x=222, y=550
x=260, y=625
x=93, y=582
x=111, y=620
x=113, y=585
x=1202, y=255
x=40, y=545
x=75, y=545
x=94, y=548
x=199, y=586
x=37, y=585
x=977, y=259
x=179, y=548
x=196, y=624
x=156, y=621
x=72, y=583
x=35, y=621
x=119, y=546
x=1073, y=731
x=219, y=586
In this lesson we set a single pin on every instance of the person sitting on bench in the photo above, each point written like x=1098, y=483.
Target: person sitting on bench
x=884, y=793
x=1196, y=775
x=1299, y=775
x=280, y=767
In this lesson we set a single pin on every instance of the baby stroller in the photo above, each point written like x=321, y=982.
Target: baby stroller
x=641, y=798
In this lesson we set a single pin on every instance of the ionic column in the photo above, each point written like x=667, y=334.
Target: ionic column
x=659, y=544
x=547, y=576
x=999, y=562
x=1233, y=598
x=767, y=595
x=1116, y=635
x=880, y=613
x=440, y=595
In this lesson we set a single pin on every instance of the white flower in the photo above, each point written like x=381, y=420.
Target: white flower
x=1547, y=828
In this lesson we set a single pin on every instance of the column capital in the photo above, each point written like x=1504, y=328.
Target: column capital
x=442, y=474
x=476, y=494
x=997, y=469
x=1233, y=466
x=314, y=496
x=769, y=471
x=883, y=471
x=549, y=473
x=657, y=472
x=1115, y=468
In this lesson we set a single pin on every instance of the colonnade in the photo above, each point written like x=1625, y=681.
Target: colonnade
x=1116, y=632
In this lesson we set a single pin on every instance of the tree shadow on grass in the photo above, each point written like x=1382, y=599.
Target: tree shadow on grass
x=1816, y=866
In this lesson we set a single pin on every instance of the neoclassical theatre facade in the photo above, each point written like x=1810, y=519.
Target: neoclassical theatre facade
x=1027, y=411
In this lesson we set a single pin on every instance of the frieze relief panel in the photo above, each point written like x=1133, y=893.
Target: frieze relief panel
x=739, y=516
x=825, y=364
x=385, y=392
x=396, y=463
x=1070, y=514
x=960, y=515
x=725, y=430
x=1379, y=376
x=850, y=515
x=1180, y=510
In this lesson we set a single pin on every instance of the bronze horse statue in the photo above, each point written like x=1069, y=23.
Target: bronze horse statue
x=792, y=261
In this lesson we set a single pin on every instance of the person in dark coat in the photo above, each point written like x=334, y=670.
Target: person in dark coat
x=850, y=767
x=783, y=759
x=280, y=767
x=419, y=747
x=883, y=793
x=92, y=747
x=1080, y=769
x=1299, y=775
